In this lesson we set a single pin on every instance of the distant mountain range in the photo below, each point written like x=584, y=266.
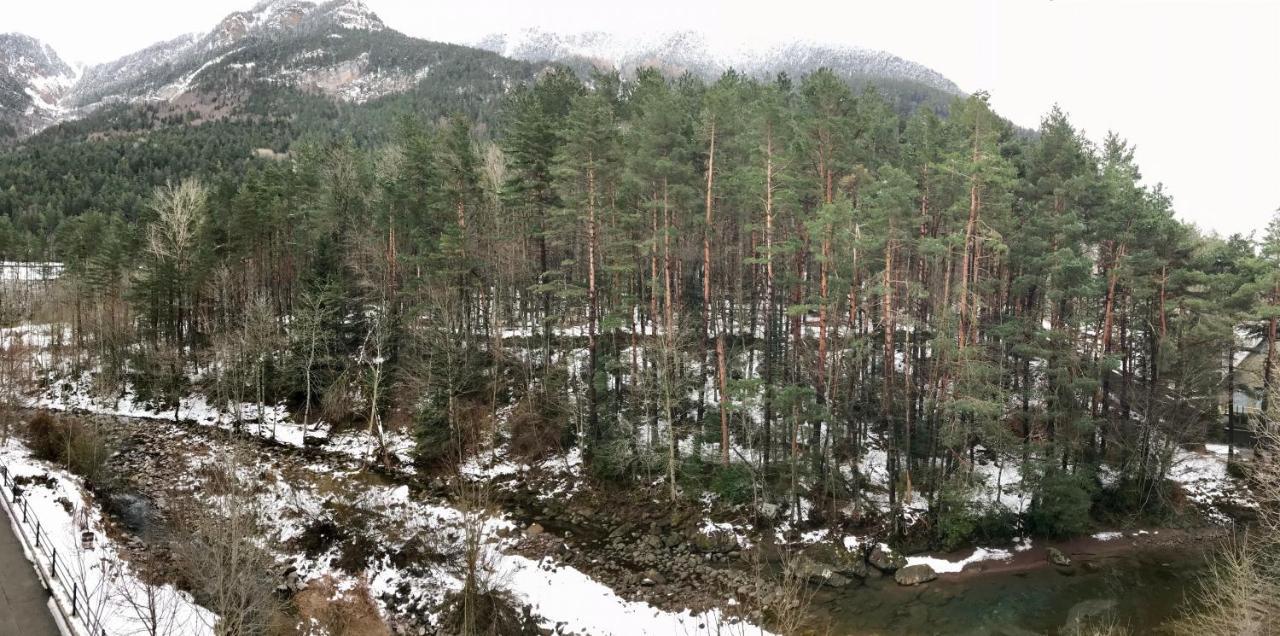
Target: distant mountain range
x=343, y=51
x=338, y=49
x=690, y=51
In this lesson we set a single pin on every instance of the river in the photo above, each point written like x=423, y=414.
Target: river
x=1136, y=590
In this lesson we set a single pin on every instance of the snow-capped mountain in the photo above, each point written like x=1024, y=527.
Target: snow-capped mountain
x=166, y=70
x=342, y=50
x=338, y=48
x=33, y=82
x=693, y=52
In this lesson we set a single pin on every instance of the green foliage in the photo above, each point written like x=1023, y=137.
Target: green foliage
x=71, y=443
x=1060, y=505
x=733, y=484
x=159, y=378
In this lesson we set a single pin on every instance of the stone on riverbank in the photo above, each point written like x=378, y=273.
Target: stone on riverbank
x=915, y=574
x=886, y=560
x=1056, y=557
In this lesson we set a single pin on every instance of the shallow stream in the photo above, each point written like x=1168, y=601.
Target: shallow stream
x=1137, y=591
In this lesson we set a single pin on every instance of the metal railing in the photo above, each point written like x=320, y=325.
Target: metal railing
x=57, y=572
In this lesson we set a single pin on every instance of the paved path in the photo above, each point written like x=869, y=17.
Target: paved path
x=24, y=608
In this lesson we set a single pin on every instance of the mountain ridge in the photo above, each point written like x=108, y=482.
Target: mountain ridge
x=342, y=50
x=679, y=51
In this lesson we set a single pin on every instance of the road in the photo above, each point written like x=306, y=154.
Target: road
x=24, y=608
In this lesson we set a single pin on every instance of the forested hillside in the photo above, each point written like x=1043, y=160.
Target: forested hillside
x=681, y=346
x=741, y=285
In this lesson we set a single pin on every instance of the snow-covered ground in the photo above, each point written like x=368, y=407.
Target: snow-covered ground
x=559, y=594
x=274, y=423
x=1204, y=479
x=29, y=271
x=106, y=584
x=944, y=566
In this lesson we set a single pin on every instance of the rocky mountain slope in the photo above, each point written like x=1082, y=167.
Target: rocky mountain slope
x=690, y=51
x=33, y=83
x=342, y=51
x=338, y=49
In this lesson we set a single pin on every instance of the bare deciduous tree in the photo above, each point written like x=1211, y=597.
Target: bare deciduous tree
x=217, y=550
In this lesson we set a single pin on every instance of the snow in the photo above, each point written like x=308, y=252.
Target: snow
x=581, y=605
x=355, y=15
x=182, y=85
x=105, y=582
x=30, y=271
x=1108, y=536
x=1205, y=481
x=276, y=423
x=706, y=53
x=563, y=597
x=945, y=566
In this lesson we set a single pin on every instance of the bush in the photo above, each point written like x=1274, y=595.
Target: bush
x=437, y=444
x=68, y=442
x=614, y=460
x=1061, y=504
x=493, y=612
x=537, y=428
x=956, y=525
x=962, y=521
x=46, y=436
x=732, y=484
x=329, y=608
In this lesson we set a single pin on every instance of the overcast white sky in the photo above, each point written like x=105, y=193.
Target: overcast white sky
x=1195, y=85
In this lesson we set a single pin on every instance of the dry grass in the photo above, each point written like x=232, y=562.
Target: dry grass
x=323, y=608
x=1241, y=594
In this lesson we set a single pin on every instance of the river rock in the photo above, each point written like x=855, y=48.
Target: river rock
x=845, y=562
x=1056, y=557
x=1082, y=612
x=716, y=542
x=915, y=574
x=886, y=560
x=817, y=573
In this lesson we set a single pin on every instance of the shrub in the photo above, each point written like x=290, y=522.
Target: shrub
x=46, y=436
x=733, y=484
x=1061, y=504
x=70, y=443
x=537, y=428
x=493, y=612
x=87, y=454
x=613, y=460
x=438, y=444
x=955, y=528
x=334, y=610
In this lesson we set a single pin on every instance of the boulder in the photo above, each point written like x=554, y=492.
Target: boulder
x=886, y=560
x=816, y=573
x=717, y=542
x=844, y=562
x=292, y=581
x=1084, y=612
x=1056, y=557
x=915, y=574
x=534, y=529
